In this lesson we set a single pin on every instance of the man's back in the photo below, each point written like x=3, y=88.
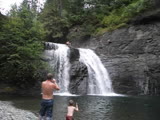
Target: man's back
x=48, y=86
x=47, y=89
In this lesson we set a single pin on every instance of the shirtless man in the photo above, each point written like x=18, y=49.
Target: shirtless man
x=71, y=110
x=48, y=86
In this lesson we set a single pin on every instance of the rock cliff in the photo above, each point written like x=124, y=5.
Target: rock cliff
x=131, y=55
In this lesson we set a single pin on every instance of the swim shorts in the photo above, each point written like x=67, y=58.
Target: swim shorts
x=46, y=108
x=69, y=118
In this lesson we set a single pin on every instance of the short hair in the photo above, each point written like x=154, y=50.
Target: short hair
x=68, y=43
x=71, y=102
x=49, y=76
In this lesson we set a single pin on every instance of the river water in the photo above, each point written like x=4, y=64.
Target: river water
x=96, y=107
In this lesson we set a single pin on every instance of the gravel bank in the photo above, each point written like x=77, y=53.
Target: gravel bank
x=9, y=112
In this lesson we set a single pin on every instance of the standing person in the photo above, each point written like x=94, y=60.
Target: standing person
x=68, y=44
x=71, y=109
x=47, y=87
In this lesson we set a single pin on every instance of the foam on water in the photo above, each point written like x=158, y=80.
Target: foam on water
x=109, y=94
x=65, y=94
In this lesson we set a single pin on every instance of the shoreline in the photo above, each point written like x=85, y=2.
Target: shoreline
x=10, y=112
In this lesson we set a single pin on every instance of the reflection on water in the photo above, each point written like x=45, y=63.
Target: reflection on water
x=96, y=107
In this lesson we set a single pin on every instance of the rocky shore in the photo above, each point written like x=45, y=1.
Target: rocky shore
x=9, y=112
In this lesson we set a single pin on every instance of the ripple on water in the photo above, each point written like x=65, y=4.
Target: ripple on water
x=97, y=107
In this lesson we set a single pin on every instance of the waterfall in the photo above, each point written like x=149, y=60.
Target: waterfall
x=99, y=81
x=59, y=63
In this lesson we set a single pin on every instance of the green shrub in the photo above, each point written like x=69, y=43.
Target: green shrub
x=119, y=17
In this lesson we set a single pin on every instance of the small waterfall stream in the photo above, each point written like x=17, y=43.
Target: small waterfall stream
x=99, y=82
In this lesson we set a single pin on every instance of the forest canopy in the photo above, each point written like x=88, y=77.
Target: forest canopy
x=88, y=17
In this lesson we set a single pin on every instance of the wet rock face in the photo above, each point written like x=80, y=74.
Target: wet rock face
x=50, y=46
x=78, y=78
x=156, y=3
x=131, y=56
x=78, y=74
x=74, y=55
x=153, y=75
x=131, y=53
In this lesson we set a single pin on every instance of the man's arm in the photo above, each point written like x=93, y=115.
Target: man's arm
x=55, y=85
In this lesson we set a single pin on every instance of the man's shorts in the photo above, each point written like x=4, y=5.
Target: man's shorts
x=46, y=108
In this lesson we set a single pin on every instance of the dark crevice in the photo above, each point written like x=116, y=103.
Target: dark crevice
x=147, y=18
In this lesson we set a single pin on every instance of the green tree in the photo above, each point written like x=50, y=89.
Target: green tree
x=90, y=17
x=55, y=21
x=21, y=39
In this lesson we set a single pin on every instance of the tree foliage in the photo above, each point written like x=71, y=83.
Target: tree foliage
x=21, y=39
x=92, y=16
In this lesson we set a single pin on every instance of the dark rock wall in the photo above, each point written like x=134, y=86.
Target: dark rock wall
x=78, y=78
x=131, y=55
x=78, y=74
x=156, y=3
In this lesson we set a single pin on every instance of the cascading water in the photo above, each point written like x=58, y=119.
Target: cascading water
x=99, y=81
x=59, y=62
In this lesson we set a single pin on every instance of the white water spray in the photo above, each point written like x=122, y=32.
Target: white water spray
x=59, y=61
x=99, y=81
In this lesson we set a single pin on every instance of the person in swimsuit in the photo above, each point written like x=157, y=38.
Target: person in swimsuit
x=71, y=108
x=46, y=111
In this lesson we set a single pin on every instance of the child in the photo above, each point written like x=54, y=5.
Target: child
x=71, y=110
